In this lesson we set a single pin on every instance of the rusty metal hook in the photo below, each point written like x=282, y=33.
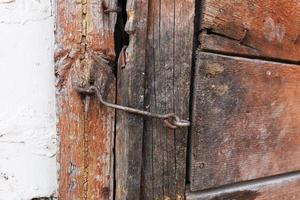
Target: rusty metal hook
x=171, y=120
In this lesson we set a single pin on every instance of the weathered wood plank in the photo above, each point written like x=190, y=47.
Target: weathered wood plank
x=286, y=187
x=130, y=86
x=169, y=57
x=245, y=120
x=100, y=122
x=263, y=28
x=70, y=122
x=100, y=28
x=83, y=33
x=183, y=51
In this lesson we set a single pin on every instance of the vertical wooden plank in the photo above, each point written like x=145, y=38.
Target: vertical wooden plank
x=100, y=28
x=169, y=57
x=148, y=157
x=69, y=105
x=130, y=84
x=159, y=100
x=184, y=32
x=83, y=33
x=164, y=101
x=100, y=119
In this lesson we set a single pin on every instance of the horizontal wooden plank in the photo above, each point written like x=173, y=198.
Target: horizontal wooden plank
x=258, y=27
x=285, y=187
x=245, y=120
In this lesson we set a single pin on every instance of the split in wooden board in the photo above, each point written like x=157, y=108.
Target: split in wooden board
x=260, y=28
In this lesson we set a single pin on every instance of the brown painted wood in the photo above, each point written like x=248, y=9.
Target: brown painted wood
x=279, y=188
x=264, y=28
x=130, y=86
x=245, y=120
x=169, y=57
x=83, y=35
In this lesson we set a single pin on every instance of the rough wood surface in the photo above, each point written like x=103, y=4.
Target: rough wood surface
x=263, y=28
x=83, y=35
x=245, y=120
x=169, y=57
x=151, y=159
x=130, y=86
x=280, y=188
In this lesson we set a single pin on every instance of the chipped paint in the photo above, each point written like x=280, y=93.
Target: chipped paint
x=273, y=31
x=23, y=11
x=6, y=1
x=221, y=90
x=213, y=69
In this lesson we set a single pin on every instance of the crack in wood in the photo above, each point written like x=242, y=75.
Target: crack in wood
x=241, y=41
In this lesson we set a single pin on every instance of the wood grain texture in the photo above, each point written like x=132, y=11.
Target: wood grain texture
x=83, y=35
x=130, y=86
x=245, y=120
x=264, y=28
x=286, y=187
x=169, y=57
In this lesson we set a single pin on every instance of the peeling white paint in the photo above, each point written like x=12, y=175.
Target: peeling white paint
x=22, y=11
x=6, y=1
x=27, y=104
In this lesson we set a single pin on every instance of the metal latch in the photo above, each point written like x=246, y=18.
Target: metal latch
x=101, y=75
x=171, y=120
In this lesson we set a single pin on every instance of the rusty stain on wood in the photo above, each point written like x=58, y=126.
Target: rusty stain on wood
x=83, y=32
x=261, y=28
x=245, y=121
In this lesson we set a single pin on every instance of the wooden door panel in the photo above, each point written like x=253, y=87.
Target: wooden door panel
x=245, y=120
x=264, y=28
x=129, y=127
x=169, y=50
x=151, y=158
x=282, y=188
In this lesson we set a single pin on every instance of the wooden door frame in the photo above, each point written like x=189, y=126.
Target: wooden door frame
x=85, y=34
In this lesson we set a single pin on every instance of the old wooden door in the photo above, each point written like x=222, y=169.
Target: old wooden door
x=245, y=135
x=230, y=67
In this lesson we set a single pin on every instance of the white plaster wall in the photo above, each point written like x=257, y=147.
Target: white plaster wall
x=27, y=100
